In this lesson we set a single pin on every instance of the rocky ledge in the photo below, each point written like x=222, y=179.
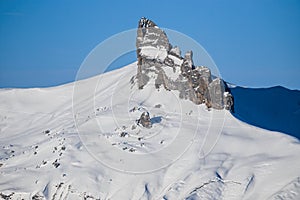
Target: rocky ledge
x=162, y=64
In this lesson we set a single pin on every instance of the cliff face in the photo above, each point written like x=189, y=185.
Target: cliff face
x=162, y=65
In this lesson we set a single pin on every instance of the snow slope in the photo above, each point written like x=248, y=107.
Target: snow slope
x=81, y=141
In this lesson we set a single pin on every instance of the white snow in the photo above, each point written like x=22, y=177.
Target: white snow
x=177, y=61
x=170, y=72
x=190, y=153
x=226, y=94
x=151, y=52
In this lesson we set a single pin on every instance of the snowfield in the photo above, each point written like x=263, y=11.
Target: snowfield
x=82, y=141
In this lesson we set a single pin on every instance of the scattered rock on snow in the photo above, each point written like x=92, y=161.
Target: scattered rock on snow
x=56, y=164
x=145, y=120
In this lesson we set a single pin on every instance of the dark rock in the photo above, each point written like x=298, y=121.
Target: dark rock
x=145, y=120
x=6, y=197
x=37, y=197
x=145, y=23
x=229, y=101
x=157, y=106
x=123, y=134
x=56, y=164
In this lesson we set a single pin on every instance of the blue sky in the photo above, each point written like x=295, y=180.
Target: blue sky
x=253, y=43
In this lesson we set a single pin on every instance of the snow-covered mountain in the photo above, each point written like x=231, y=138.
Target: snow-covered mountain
x=189, y=153
x=143, y=132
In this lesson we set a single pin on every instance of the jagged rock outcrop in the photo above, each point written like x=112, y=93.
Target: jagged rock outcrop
x=145, y=120
x=216, y=91
x=162, y=65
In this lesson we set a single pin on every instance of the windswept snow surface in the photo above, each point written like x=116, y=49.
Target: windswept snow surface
x=82, y=141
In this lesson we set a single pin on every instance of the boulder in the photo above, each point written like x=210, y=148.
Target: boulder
x=145, y=120
x=228, y=101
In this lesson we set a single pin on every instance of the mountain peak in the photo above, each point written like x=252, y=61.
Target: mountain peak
x=146, y=23
x=162, y=64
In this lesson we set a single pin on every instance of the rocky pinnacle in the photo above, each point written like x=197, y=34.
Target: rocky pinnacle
x=160, y=64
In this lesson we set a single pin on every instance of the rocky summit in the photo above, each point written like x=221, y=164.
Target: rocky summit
x=162, y=65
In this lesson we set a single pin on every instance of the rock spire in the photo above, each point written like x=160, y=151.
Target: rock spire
x=162, y=64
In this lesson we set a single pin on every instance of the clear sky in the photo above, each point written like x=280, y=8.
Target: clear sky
x=254, y=43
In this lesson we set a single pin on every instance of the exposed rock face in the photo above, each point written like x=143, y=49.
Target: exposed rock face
x=160, y=64
x=145, y=120
x=216, y=91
